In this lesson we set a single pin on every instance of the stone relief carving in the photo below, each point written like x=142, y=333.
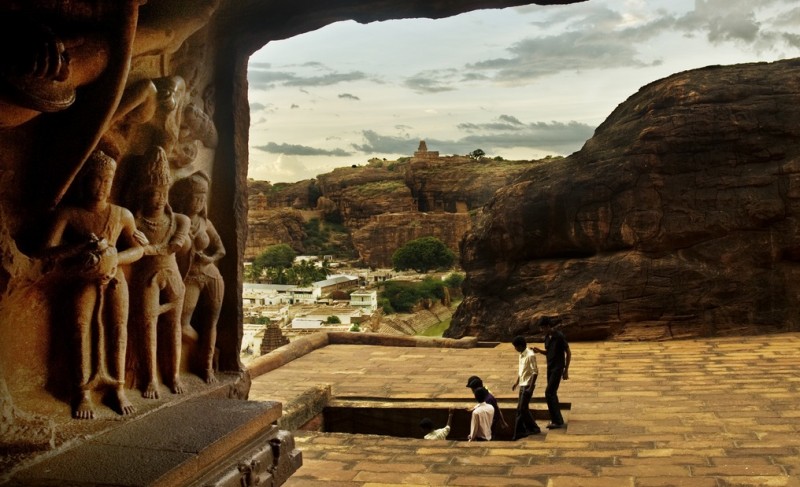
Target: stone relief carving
x=196, y=127
x=137, y=107
x=84, y=240
x=167, y=122
x=63, y=67
x=159, y=112
x=65, y=59
x=180, y=124
x=204, y=284
x=164, y=30
x=157, y=287
x=42, y=69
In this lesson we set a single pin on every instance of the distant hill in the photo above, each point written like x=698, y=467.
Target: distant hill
x=369, y=211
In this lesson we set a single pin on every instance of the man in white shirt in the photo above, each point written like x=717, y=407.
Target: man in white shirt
x=480, y=428
x=436, y=434
x=526, y=380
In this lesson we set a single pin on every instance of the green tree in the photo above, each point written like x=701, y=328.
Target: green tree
x=454, y=281
x=402, y=296
x=476, y=154
x=304, y=273
x=431, y=288
x=333, y=320
x=274, y=260
x=385, y=305
x=423, y=254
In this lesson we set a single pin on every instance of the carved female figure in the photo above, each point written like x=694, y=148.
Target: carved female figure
x=84, y=238
x=156, y=278
x=204, y=284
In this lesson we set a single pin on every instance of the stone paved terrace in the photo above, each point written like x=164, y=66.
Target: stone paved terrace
x=698, y=413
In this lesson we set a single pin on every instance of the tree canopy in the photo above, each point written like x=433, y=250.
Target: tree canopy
x=477, y=154
x=402, y=296
x=423, y=254
x=275, y=257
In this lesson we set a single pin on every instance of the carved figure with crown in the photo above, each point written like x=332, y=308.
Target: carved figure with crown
x=157, y=287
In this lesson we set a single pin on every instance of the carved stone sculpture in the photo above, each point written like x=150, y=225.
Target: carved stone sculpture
x=195, y=127
x=156, y=279
x=41, y=69
x=84, y=239
x=204, y=284
x=167, y=121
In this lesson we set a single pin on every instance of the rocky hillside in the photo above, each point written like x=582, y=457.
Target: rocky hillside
x=271, y=226
x=679, y=218
x=383, y=204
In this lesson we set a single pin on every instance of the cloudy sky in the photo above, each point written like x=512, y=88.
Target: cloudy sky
x=520, y=83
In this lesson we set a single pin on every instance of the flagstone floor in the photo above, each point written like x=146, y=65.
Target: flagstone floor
x=706, y=413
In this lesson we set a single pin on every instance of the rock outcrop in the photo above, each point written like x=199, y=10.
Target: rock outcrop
x=299, y=195
x=679, y=218
x=274, y=226
x=383, y=207
x=384, y=234
x=358, y=204
x=457, y=184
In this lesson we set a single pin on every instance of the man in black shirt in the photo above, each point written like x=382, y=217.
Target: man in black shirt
x=558, y=355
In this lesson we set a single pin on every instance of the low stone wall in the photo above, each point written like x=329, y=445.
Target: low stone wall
x=296, y=349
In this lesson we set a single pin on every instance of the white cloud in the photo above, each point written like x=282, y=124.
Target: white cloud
x=479, y=79
x=300, y=150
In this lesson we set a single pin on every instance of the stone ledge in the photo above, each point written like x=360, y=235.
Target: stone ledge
x=171, y=447
x=307, y=344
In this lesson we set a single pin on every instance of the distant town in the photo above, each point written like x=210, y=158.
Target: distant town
x=275, y=314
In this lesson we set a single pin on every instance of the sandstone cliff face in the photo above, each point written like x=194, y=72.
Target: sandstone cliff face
x=274, y=226
x=457, y=184
x=385, y=208
x=358, y=204
x=680, y=217
x=263, y=195
x=384, y=234
x=333, y=183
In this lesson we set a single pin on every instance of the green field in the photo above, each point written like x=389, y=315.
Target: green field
x=436, y=330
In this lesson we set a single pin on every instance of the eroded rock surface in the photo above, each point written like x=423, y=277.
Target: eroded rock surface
x=274, y=226
x=383, y=206
x=678, y=218
x=384, y=234
x=456, y=184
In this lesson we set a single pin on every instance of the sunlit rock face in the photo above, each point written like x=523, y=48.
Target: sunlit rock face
x=274, y=226
x=679, y=218
x=378, y=240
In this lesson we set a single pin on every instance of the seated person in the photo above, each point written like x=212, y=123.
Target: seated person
x=436, y=434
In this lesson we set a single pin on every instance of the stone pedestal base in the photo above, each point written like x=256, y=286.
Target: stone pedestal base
x=199, y=442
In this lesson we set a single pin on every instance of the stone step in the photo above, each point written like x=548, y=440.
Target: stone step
x=170, y=447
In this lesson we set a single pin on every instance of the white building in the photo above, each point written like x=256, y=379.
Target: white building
x=305, y=295
x=346, y=315
x=305, y=323
x=336, y=283
x=271, y=294
x=366, y=300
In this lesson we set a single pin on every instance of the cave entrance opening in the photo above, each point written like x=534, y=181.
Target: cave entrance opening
x=400, y=418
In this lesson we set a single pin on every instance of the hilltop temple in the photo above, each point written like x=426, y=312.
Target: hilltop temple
x=422, y=152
